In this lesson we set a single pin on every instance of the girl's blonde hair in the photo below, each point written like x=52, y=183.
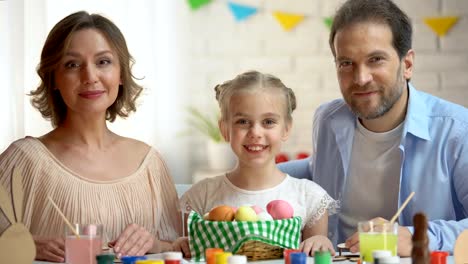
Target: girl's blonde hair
x=249, y=81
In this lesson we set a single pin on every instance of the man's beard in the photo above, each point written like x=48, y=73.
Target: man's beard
x=386, y=101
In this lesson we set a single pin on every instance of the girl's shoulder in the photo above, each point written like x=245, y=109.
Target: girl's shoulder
x=202, y=194
x=207, y=186
x=305, y=185
x=312, y=193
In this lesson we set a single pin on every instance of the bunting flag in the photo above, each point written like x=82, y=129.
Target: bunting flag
x=441, y=25
x=287, y=20
x=241, y=12
x=328, y=21
x=195, y=4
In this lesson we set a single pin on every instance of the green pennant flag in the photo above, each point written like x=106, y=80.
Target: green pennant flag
x=328, y=21
x=195, y=4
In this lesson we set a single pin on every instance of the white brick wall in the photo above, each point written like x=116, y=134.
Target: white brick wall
x=222, y=48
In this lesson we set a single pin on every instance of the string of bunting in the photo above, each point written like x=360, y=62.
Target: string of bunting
x=242, y=12
x=440, y=25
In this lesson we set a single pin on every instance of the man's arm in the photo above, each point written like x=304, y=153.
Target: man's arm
x=443, y=234
x=297, y=168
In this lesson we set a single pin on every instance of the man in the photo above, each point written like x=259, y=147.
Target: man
x=387, y=139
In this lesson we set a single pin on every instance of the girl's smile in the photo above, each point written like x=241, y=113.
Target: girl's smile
x=255, y=148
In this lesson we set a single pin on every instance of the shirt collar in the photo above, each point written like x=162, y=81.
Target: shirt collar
x=417, y=115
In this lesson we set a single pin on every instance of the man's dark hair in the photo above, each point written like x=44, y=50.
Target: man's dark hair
x=378, y=11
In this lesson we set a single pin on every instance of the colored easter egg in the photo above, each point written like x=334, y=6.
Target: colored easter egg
x=264, y=216
x=246, y=213
x=257, y=209
x=280, y=209
x=221, y=213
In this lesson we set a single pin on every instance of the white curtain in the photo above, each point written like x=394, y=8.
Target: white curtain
x=154, y=32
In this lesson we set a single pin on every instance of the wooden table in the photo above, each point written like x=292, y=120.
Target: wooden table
x=310, y=260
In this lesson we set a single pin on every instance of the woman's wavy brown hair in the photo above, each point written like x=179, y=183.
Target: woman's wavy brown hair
x=49, y=101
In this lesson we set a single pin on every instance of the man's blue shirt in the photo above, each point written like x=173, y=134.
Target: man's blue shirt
x=434, y=151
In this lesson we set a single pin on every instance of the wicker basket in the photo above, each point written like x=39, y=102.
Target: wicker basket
x=258, y=240
x=257, y=250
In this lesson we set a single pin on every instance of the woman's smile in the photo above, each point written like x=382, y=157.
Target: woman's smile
x=91, y=94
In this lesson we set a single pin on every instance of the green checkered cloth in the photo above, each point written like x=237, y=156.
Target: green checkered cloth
x=230, y=236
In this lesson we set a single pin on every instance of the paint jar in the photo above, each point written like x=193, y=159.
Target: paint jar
x=237, y=259
x=439, y=257
x=288, y=252
x=377, y=254
x=322, y=257
x=172, y=257
x=298, y=258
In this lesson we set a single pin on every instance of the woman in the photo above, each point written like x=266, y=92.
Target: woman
x=93, y=174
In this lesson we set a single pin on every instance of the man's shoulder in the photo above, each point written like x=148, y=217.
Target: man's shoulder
x=331, y=109
x=437, y=107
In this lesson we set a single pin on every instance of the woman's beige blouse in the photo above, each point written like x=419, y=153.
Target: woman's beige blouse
x=147, y=197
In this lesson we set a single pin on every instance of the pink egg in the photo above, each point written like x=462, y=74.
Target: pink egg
x=257, y=209
x=234, y=209
x=280, y=209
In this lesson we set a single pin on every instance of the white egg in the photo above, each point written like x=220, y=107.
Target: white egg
x=264, y=216
x=205, y=216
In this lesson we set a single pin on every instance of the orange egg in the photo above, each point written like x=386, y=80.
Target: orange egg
x=221, y=213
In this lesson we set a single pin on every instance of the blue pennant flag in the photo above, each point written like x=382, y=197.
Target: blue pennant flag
x=241, y=12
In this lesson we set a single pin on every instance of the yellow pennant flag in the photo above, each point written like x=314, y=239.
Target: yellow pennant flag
x=288, y=21
x=441, y=25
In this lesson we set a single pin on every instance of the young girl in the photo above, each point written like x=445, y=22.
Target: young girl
x=256, y=119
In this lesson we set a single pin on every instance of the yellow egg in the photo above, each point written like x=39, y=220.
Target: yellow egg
x=246, y=213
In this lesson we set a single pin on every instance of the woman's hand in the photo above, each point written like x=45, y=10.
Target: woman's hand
x=182, y=244
x=134, y=241
x=316, y=243
x=50, y=249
